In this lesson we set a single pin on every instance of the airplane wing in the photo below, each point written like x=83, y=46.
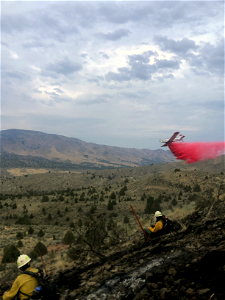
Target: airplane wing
x=173, y=137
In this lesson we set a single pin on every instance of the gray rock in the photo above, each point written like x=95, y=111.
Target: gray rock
x=190, y=291
x=172, y=271
x=204, y=291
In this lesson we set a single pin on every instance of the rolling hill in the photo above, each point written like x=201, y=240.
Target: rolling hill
x=21, y=148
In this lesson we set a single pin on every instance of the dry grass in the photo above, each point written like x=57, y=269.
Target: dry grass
x=29, y=171
x=180, y=213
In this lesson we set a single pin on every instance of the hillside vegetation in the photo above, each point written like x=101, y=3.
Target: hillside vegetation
x=76, y=218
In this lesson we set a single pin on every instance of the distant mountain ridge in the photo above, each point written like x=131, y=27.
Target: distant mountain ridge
x=27, y=146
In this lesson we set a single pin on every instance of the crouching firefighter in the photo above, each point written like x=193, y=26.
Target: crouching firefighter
x=161, y=223
x=24, y=285
x=31, y=284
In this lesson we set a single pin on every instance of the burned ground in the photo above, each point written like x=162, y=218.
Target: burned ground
x=188, y=264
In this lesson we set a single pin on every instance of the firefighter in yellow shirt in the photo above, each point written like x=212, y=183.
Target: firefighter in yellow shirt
x=155, y=228
x=25, y=284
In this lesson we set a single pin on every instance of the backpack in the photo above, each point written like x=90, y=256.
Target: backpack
x=167, y=226
x=167, y=223
x=46, y=290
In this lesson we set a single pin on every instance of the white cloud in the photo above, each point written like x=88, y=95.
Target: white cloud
x=14, y=55
x=114, y=72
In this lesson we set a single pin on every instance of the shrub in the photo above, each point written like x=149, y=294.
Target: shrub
x=23, y=220
x=10, y=254
x=187, y=188
x=113, y=215
x=33, y=255
x=41, y=233
x=14, y=206
x=110, y=205
x=19, y=235
x=122, y=192
x=174, y=202
x=110, y=224
x=197, y=188
x=192, y=197
x=61, y=198
x=72, y=225
x=30, y=230
x=113, y=195
x=143, y=197
x=80, y=223
x=126, y=220
x=152, y=206
x=20, y=244
x=40, y=248
x=96, y=233
x=68, y=238
x=45, y=198
x=49, y=217
x=93, y=208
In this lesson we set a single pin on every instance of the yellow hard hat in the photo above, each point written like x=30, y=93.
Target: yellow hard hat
x=158, y=214
x=22, y=260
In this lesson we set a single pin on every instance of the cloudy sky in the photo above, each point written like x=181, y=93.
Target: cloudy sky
x=116, y=73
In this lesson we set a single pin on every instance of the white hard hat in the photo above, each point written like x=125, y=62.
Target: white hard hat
x=158, y=214
x=22, y=260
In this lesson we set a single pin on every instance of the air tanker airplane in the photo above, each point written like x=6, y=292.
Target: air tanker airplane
x=172, y=139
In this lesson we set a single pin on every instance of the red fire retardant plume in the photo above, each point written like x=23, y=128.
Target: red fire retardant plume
x=192, y=152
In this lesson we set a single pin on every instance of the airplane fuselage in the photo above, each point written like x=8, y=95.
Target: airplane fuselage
x=172, y=139
x=175, y=140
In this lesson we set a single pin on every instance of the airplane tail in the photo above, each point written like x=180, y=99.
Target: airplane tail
x=181, y=137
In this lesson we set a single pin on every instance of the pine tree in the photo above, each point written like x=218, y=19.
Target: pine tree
x=40, y=248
